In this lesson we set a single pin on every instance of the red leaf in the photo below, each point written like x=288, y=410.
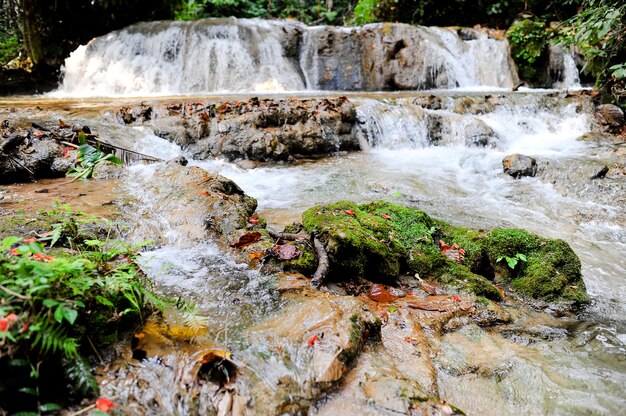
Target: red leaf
x=313, y=340
x=385, y=216
x=286, y=251
x=455, y=298
x=25, y=328
x=378, y=293
x=247, y=239
x=349, y=212
x=253, y=221
x=30, y=240
x=104, y=404
x=4, y=324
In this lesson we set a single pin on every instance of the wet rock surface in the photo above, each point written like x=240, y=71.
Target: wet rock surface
x=611, y=116
x=28, y=153
x=517, y=165
x=188, y=202
x=261, y=130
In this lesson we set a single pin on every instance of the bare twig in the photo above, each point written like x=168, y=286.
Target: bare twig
x=286, y=236
x=17, y=295
x=322, y=263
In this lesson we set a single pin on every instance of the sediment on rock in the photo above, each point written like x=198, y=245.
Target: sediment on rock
x=262, y=130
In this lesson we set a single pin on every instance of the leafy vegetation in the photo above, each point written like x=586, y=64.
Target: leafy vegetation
x=529, y=44
x=88, y=158
x=600, y=34
x=58, y=306
x=512, y=261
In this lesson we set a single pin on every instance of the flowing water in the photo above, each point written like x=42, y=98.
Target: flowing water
x=541, y=365
x=580, y=370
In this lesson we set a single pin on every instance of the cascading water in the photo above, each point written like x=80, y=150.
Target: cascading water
x=462, y=182
x=168, y=58
x=218, y=55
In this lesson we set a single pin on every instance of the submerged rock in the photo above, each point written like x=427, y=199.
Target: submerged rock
x=196, y=204
x=517, y=165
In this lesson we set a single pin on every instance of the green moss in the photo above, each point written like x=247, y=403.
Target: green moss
x=305, y=264
x=553, y=272
x=462, y=278
x=380, y=240
x=358, y=244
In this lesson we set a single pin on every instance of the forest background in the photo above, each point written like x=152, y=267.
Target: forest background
x=37, y=35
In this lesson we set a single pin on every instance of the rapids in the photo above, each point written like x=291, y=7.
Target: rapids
x=542, y=364
x=550, y=366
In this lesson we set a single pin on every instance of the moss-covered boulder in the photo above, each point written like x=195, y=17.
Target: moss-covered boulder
x=380, y=241
x=550, y=272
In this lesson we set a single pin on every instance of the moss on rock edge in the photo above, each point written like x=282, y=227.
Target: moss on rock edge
x=380, y=240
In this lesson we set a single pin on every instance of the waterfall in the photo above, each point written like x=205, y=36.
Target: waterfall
x=251, y=55
x=562, y=68
x=167, y=58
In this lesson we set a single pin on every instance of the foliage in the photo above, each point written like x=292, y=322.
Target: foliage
x=308, y=11
x=56, y=305
x=88, y=158
x=528, y=40
x=9, y=49
x=497, y=13
x=600, y=34
x=512, y=261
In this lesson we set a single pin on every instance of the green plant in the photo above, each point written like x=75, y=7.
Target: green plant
x=600, y=34
x=87, y=159
x=56, y=305
x=512, y=261
x=9, y=49
x=528, y=40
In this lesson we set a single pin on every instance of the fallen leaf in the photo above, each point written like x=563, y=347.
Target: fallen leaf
x=385, y=216
x=205, y=193
x=254, y=221
x=257, y=255
x=286, y=251
x=349, y=212
x=455, y=298
x=378, y=293
x=63, y=124
x=104, y=404
x=247, y=239
x=313, y=340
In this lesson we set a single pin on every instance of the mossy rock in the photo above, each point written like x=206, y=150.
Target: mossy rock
x=552, y=270
x=357, y=242
x=379, y=241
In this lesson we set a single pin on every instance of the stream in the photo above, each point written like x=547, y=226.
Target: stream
x=542, y=363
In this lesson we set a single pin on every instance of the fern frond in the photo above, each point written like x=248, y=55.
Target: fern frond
x=78, y=371
x=53, y=338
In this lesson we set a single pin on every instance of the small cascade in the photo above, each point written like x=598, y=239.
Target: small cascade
x=528, y=124
x=392, y=126
x=562, y=69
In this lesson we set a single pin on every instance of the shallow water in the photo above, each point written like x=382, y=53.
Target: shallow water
x=563, y=367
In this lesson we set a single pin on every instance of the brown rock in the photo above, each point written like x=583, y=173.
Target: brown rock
x=518, y=165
